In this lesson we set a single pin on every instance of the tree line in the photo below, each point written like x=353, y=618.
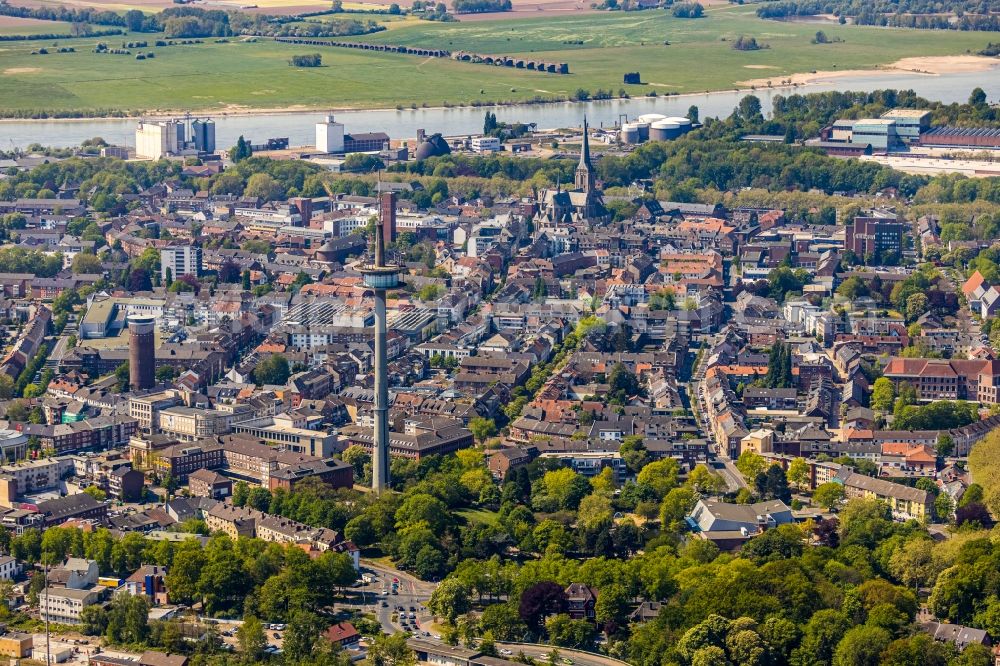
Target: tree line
x=480, y=6
x=930, y=14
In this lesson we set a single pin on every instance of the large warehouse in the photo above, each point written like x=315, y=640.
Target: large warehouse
x=973, y=137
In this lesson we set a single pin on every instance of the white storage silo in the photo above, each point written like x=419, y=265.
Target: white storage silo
x=629, y=133
x=664, y=130
x=683, y=123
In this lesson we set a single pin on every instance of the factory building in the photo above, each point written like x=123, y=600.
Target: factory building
x=877, y=135
x=962, y=137
x=163, y=138
x=159, y=139
x=486, y=144
x=910, y=123
x=880, y=133
x=330, y=138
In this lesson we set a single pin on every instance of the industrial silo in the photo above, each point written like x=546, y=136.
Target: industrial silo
x=650, y=118
x=629, y=133
x=664, y=130
x=643, y=130
x=684, y=124
x=204, y=135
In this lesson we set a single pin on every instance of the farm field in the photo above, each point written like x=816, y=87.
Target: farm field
x=12, y=25
x=599, y=48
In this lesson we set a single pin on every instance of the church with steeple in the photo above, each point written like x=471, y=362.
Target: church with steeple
x=583, y=203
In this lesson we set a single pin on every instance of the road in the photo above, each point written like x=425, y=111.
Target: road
x=726, y=468
x=578, y=658
x=412, y=593
x=970, y=332
x=718, y=459
x=415, y=592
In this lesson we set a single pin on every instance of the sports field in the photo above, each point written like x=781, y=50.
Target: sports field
x=599, y=48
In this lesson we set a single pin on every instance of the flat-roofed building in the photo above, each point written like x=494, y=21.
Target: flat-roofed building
x=16, y=645
x=190, y=424
x=300, y=440
x=880, y=133
x=910, y=123
x=64, y=605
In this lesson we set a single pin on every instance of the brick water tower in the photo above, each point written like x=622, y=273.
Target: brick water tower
x=141, y=352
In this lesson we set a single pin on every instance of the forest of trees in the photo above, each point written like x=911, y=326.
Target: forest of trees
x=950, y=15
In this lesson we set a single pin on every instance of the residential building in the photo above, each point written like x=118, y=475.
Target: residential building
x=876, y=233
x=178, y=260
x=342, y=633
x=10, y=568
x=79, y=506
x=206, y=483
x=905, y=502
x=148, y=581
x=581, y=601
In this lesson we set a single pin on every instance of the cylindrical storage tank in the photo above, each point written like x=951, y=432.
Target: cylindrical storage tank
x=664, y=130
x=683, y=123
x=650, y=118
x=629, y=133
x=643, y=131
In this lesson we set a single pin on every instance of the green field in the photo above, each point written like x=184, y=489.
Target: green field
x=256, y=75
x=480, y=516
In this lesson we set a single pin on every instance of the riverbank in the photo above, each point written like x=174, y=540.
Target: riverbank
x=242, y=111
x=925, y=65
x=298, y=126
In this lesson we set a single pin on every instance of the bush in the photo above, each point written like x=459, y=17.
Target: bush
x=744, y=43
x=310, y=60
x=688, y=10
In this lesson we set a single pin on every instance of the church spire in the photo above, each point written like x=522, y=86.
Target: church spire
x=584, y=170
x=585, y=149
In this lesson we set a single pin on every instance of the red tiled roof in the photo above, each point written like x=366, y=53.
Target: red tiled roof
x=973, y=283
x=340, y=632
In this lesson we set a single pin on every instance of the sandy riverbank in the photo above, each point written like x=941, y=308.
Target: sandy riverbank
x=929, y=65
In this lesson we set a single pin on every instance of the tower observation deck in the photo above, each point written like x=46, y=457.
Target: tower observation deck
x=379, y=277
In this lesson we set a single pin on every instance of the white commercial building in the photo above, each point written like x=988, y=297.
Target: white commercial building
x=64, y=605
x=330, y=136
x=486, y=144
x=157, y=139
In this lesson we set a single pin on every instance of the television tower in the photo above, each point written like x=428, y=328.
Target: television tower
x=380, y=277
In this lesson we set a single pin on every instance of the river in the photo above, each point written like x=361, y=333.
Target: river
x=299, y=126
